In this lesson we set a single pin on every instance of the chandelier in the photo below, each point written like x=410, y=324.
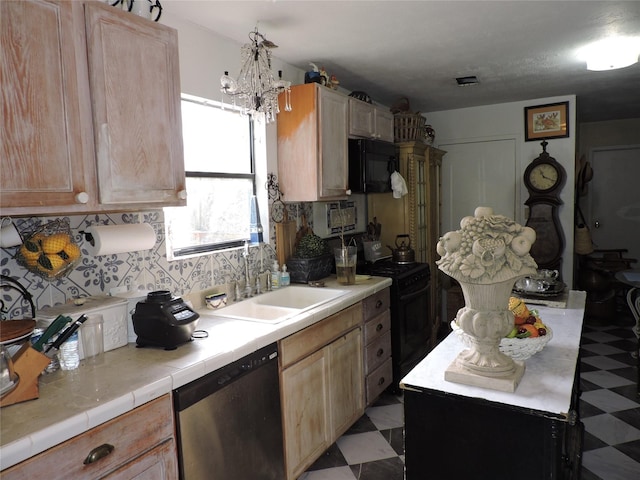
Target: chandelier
x=256, y=90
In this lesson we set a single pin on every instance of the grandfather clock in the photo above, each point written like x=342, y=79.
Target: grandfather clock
x=544, y=178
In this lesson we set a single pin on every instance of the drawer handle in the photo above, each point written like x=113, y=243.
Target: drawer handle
x=381, y=381
x=380, y=352
x=98, y=453
x=379, y=303
x=379, y=327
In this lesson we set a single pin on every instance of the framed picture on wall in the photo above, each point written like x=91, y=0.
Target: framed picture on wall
x=546, y=121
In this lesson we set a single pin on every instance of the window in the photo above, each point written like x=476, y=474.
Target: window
x=220, y=180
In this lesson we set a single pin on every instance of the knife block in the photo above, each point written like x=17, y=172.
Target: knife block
x=28, y=364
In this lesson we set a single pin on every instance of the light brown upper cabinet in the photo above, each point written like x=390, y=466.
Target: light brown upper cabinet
x=47, y=140
x=134, y=79
x=368, y=121
x=312, y=145
x=91, y=110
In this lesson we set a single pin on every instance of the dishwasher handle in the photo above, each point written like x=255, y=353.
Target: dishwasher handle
x=201, y=388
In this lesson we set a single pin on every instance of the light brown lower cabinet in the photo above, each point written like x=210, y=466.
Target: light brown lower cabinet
x=137, y=445
x=322, y=386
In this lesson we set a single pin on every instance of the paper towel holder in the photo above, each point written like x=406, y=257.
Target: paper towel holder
x=94, y=236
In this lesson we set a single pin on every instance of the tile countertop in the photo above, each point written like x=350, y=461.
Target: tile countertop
x=548, y=378
x=73, y=402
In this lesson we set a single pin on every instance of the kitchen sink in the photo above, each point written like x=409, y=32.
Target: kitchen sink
x=298, y=297
x=279, y=305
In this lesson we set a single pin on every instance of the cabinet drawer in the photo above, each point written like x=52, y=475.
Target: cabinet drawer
x=307, y=341
x=376, y=303
x=378, y=380
x=130, y=434
x=377, y=352
x=376, y=327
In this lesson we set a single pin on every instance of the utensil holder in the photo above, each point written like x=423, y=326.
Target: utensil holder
x=28, y=363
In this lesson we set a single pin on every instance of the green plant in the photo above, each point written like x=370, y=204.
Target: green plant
x=311, y=246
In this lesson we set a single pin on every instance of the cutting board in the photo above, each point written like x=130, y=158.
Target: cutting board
x=285, y=239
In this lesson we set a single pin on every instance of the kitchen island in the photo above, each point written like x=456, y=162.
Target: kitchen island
x=457, y=431
x=74, y=402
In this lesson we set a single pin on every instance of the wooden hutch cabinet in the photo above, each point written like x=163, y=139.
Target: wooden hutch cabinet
x=417, y=213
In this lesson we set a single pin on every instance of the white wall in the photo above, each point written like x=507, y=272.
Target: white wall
x=506, y=122
x=204, y=57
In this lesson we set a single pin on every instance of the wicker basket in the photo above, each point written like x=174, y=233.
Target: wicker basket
x=50, y=264
x=408, y=127
x=516, y=348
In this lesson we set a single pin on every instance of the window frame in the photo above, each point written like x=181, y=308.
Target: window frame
x=197, y=250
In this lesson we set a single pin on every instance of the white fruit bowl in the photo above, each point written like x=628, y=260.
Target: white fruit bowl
x=516, y=348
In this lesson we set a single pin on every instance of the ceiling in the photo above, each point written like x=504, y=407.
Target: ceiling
x=518, y=50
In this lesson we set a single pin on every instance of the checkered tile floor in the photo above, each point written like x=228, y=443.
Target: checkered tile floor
x=610, y=409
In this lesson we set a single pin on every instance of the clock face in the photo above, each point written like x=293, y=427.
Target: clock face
x=543, y=177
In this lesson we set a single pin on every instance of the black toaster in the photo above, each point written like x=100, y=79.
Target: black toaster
x=163, y=320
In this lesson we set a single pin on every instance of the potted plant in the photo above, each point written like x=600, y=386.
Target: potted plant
x=311, y=260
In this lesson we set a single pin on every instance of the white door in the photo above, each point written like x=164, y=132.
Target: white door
x=476, y=174
x=613, y=199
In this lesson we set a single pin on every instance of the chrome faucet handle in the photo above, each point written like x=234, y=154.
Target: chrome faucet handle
x=268, y=280
x=258, y=285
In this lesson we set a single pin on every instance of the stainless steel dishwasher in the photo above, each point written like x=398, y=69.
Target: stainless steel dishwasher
x=229, y=422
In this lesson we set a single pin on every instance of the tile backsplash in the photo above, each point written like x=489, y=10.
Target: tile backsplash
x=149, y=269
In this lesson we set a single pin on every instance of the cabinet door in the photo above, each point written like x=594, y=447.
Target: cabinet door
x=47, y=140
x=384, y=125
x=361, y=119
x=334, y=169
x=346, y=380
x=304, y=393
x=135, y=91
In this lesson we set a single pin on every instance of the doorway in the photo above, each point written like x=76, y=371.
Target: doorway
x=613, y=199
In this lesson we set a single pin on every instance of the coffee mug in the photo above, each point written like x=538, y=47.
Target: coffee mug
x=144, y=8
x=9, y=235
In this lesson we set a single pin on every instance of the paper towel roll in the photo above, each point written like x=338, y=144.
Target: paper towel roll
x=110, y=239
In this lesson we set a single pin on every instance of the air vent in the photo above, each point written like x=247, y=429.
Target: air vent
x=467, y=81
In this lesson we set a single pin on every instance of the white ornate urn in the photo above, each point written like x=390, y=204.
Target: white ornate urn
x=486, y=256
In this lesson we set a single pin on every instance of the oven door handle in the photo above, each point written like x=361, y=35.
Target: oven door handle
x=412, y=295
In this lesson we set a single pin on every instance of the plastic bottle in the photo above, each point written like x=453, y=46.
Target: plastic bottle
x=275, y=275
x=68, y=355
x=285, y=278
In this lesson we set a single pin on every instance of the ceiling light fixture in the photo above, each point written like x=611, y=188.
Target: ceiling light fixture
x=611, y=53
x=256, y=87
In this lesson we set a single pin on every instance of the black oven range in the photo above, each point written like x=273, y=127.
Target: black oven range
x=410, y=322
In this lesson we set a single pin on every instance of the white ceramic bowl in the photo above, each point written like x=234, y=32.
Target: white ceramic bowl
x=516, y=348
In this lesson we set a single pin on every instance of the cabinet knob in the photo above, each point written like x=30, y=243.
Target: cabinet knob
x=381, y=381
x=82, y=197
x=378, y=304
x=182, y=194
x=98, y=453
x=378, y=327
x=380, y=352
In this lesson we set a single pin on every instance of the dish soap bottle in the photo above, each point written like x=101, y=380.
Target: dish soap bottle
x=275, y=275
x=285, y=279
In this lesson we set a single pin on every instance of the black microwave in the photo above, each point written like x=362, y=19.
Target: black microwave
x=371, y=163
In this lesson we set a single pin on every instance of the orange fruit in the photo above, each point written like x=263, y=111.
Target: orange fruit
x=55, y=243
x=50, y=263
x=31, y=258
x=519, y=320
x=531, y=329
x=70, y=252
